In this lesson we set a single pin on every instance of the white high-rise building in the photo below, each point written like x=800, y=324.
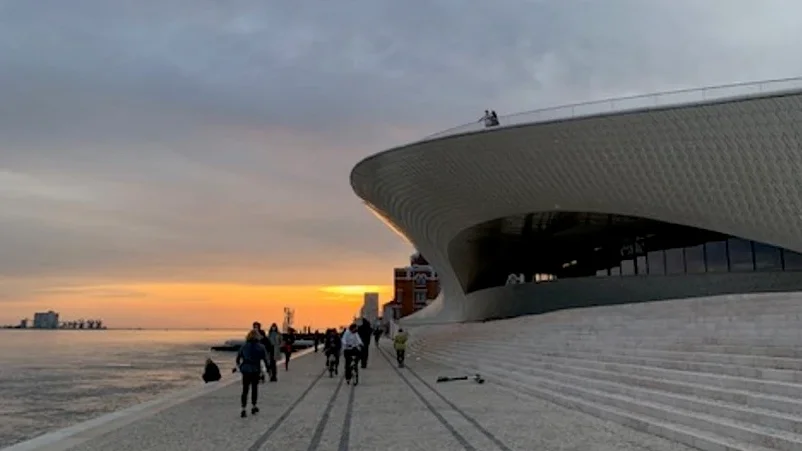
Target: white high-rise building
x=370, y=307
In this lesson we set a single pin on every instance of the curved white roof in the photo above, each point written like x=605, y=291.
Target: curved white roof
x=732, y=166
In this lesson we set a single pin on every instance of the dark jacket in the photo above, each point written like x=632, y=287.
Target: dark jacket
x=250, y=356
x=333, y=343
x=211, y=373
x=365, y=331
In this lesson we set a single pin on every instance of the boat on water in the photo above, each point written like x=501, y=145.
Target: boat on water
x=235, y=345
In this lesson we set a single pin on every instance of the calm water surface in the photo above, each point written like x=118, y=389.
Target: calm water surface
x=53, y=379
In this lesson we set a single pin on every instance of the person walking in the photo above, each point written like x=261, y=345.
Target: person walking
x=286, y=347
x=274, y=350
x=316, y=339
x=400, y=345
x=365, y=332
x=257, y=326
x=249, y=362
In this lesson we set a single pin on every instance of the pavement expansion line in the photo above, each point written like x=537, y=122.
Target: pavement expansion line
x=467, y=417
x=345, y=438
x=321, y=425
x=459, y=437
x=276, y=424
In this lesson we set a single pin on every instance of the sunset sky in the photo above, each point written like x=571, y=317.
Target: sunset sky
x=184, y=163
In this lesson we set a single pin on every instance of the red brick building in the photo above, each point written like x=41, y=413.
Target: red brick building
x=415, y=286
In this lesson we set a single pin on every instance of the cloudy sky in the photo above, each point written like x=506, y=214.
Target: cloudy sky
x=159, y=157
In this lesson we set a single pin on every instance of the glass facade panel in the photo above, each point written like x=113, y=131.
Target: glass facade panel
x=792, y=260
x=575, y=244
x=627, y=267
x=656, y=263
x=695, y=259
x=640, y=262
x=675, y=261
x=716, y=254
x=767, y=258
x=740, y=252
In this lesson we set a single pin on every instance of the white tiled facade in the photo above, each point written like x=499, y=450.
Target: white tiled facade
x=732, y=167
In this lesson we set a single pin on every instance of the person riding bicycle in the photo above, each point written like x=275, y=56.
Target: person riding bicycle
x=352, y=349
x=332, y=347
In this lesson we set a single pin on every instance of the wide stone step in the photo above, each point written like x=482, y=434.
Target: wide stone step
x=613, y=356
x=777, y=388
x=693, y=402
x=638, y=419
x=779, y=404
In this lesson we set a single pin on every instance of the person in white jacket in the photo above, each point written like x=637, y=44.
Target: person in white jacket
x=352, y=349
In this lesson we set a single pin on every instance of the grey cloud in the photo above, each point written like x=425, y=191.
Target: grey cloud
x=220, y=134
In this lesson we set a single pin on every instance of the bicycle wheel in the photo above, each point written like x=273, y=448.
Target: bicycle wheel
x=356, y=374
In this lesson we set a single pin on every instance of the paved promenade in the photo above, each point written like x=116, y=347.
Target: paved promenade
x=391, y=409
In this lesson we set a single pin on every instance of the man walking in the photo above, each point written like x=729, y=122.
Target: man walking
x=365, y=332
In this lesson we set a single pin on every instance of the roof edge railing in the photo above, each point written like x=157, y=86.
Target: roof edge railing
x=679, y=97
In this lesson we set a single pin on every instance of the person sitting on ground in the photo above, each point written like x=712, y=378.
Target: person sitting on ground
x=493, y=118
x=332, y=346
x=211, y=373
x=352, y=349
x=400, y=345
x=249, y=361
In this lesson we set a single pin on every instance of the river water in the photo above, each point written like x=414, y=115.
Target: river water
x=54, y=379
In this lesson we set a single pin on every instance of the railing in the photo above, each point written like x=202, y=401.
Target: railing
x=638, y=102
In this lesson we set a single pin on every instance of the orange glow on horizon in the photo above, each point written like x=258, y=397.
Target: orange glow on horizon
x=197, y=305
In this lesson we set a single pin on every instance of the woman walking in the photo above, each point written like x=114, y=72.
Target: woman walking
x=249, y=361
x=274, y=337
x=286, y=348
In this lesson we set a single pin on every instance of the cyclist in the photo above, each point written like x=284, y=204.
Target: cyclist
x=352, y=349
x=332, y=346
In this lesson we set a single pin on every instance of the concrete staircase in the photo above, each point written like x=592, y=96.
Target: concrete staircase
x=721, y=373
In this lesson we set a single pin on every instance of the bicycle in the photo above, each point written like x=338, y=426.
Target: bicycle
x=353, y=366
x=332, y=364
x=355, y=371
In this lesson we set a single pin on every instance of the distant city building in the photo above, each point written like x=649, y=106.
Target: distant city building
x=45, y=320
x=370, y=307
x=415, y=286
x=391, y=311
x=23, y=323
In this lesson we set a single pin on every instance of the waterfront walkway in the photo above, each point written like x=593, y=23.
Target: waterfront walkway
x=391, y=409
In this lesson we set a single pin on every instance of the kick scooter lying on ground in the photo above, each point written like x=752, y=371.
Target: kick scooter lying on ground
x=476, y=378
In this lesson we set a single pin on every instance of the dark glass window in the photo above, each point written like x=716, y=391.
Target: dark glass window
x=615, y=271
x=695, y=259
x=656, y=263
x=640, y=262
x=716, y=253
x=627, y=267
x=767, y=258
x=675, y=263
x=792, y=260
x=740, y=255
